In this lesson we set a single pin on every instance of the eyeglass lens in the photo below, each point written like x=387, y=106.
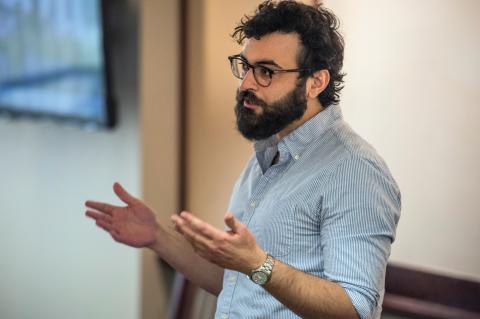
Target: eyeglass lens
x=240, y=68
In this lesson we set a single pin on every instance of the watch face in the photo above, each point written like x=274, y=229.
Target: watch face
x=259, y=277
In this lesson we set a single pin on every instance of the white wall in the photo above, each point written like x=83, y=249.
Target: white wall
x=54, y=262
x=412, y=90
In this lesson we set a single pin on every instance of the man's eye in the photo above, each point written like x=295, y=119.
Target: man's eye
x=244, y=66
x=265, y=71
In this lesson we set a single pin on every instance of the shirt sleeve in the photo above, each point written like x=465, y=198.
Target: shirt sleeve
x=359, y=216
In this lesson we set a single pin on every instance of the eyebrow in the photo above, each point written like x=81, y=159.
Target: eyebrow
x=268, y=62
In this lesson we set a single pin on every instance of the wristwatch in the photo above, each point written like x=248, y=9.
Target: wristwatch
x=262, y=274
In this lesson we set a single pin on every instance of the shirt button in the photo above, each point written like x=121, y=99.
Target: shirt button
x=253, y=204
x=296, y=157
x=224, y=316
x=232, y=279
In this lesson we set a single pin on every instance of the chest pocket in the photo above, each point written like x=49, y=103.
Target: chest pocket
x=274, y=228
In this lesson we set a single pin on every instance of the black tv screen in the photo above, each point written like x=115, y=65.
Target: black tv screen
x=53, y=61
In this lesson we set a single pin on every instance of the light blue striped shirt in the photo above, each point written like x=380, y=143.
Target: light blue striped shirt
x=329, y=207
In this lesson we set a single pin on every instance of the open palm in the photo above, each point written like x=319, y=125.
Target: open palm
x=134, y=225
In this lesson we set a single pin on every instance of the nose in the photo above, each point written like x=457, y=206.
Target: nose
x=249, y=82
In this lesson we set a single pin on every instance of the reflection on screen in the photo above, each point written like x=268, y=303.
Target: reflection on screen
x=51, y=58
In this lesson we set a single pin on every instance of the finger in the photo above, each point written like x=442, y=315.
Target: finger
x=98, y=216
x=124, y=195
x=200, y=226
x=174, y=219
x=115, y=235
x=105, y=225
x=102, y=207
x=231, y=222
x=195, y=238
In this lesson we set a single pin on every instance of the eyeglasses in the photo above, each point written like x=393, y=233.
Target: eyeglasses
x=263, y=75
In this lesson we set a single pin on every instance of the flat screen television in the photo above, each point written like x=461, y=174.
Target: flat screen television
x=54, y=61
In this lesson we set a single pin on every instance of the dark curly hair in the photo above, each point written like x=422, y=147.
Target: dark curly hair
x=317, y=27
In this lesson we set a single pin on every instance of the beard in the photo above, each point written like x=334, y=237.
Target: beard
x=273, y=118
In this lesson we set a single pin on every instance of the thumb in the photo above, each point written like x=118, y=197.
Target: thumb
x=124, y=195
x=231, y=222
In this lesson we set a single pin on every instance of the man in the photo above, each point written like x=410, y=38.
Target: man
x=313, y=215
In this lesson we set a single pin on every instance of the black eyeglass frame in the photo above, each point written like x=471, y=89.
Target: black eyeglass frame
x=231, y=58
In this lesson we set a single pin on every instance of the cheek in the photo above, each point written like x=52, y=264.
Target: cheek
x=259, y=111
x=280, y=88
x=270, y=94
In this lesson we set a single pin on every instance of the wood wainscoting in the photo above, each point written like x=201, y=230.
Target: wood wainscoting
x=421, y=294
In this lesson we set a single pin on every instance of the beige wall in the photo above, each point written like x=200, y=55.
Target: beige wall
x=216, y=152
x=414, y=97
x=159, y=81
x=413, y=91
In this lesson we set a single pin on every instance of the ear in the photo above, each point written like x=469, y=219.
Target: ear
x=317, y=83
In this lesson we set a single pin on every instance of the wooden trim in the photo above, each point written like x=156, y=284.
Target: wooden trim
x=183, y=91
x=422, y=294
x=181, y=286
x=424, y=309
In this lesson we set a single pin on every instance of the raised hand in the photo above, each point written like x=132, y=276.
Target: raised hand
x=134, y=225
x=235, y=249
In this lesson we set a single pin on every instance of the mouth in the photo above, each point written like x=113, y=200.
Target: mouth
x=250, y=105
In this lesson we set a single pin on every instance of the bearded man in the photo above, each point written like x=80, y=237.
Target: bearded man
x=313, y=215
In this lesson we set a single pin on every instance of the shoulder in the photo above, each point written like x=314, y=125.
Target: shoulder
x=350, y=167
x=341, y=150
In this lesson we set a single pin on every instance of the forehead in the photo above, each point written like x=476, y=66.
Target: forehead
x=282, y=48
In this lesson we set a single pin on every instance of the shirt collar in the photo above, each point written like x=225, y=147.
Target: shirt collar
x=297, y=141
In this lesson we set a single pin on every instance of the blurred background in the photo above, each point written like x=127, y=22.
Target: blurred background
x=163, y=125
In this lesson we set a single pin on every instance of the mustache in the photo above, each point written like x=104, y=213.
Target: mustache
x=250, y=98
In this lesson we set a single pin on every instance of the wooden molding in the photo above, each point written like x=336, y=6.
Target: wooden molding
x=421, y=294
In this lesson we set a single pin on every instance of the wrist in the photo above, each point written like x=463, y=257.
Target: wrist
x=262, y=274
x=159, y=237
x=256, y=260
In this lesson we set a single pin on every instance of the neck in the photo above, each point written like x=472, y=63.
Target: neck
x=313, y=108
